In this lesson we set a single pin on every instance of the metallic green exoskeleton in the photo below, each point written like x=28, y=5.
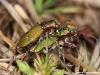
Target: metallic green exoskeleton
x=69, y=32
x=66, y=30
x=35, y=32
x=30, y=36
x=45, y=42
x=50, y=23
x=53, y=39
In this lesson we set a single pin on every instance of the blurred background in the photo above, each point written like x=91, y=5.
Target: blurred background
x=18, y=16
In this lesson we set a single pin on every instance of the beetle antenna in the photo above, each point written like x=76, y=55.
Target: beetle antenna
x=84, y=33
x=89, y=35
x=81, y=27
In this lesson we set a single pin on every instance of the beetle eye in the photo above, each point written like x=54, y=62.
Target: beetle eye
x=61, y=45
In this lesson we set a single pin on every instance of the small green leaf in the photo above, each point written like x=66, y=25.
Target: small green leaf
x=38, y=62
x=24, y=67
x=45, y=67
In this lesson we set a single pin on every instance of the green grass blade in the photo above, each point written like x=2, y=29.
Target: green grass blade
x=48, y=3
x=68, y=9
x=38, y=6
x=54, y=10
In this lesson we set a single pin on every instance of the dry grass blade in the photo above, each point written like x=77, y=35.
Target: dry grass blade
x=97, y=64
x=4, y=60
x=95, y=3
x=99, y=69
x=80, y=57
x=74, y=10
x=77, y=62
x=62, y=64
x=85, y=57
x=21, y=11
x=15, y=35
x=93, y=20
x=14, y=14
x=31, y=9
x=96, y=53
x=7, y=40
x=4, y=65
x=23, y=14
x=8, y=53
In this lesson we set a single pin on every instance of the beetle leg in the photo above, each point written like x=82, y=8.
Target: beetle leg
x=46, y=42
x=77, y=39
x=58, y=48
x=88, y=35
x=63, y=54
x=71, y=45
x=25, y=54
x=61, y=50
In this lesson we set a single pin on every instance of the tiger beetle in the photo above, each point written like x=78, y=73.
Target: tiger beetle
x=30, y=37
x=58, y=34
x=30, y=40
x=63, y=36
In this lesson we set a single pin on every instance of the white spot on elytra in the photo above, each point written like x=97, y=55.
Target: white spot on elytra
x=27, y=37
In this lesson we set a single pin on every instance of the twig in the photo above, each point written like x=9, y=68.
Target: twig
x=6, y=51
x=96, y=54
x=4, y=65
x=4, y=60
x=75, y=61
x=23, y=14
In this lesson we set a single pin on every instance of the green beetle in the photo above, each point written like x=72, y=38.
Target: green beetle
x=34, y=33
x=63, y=36
x=51, y=40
